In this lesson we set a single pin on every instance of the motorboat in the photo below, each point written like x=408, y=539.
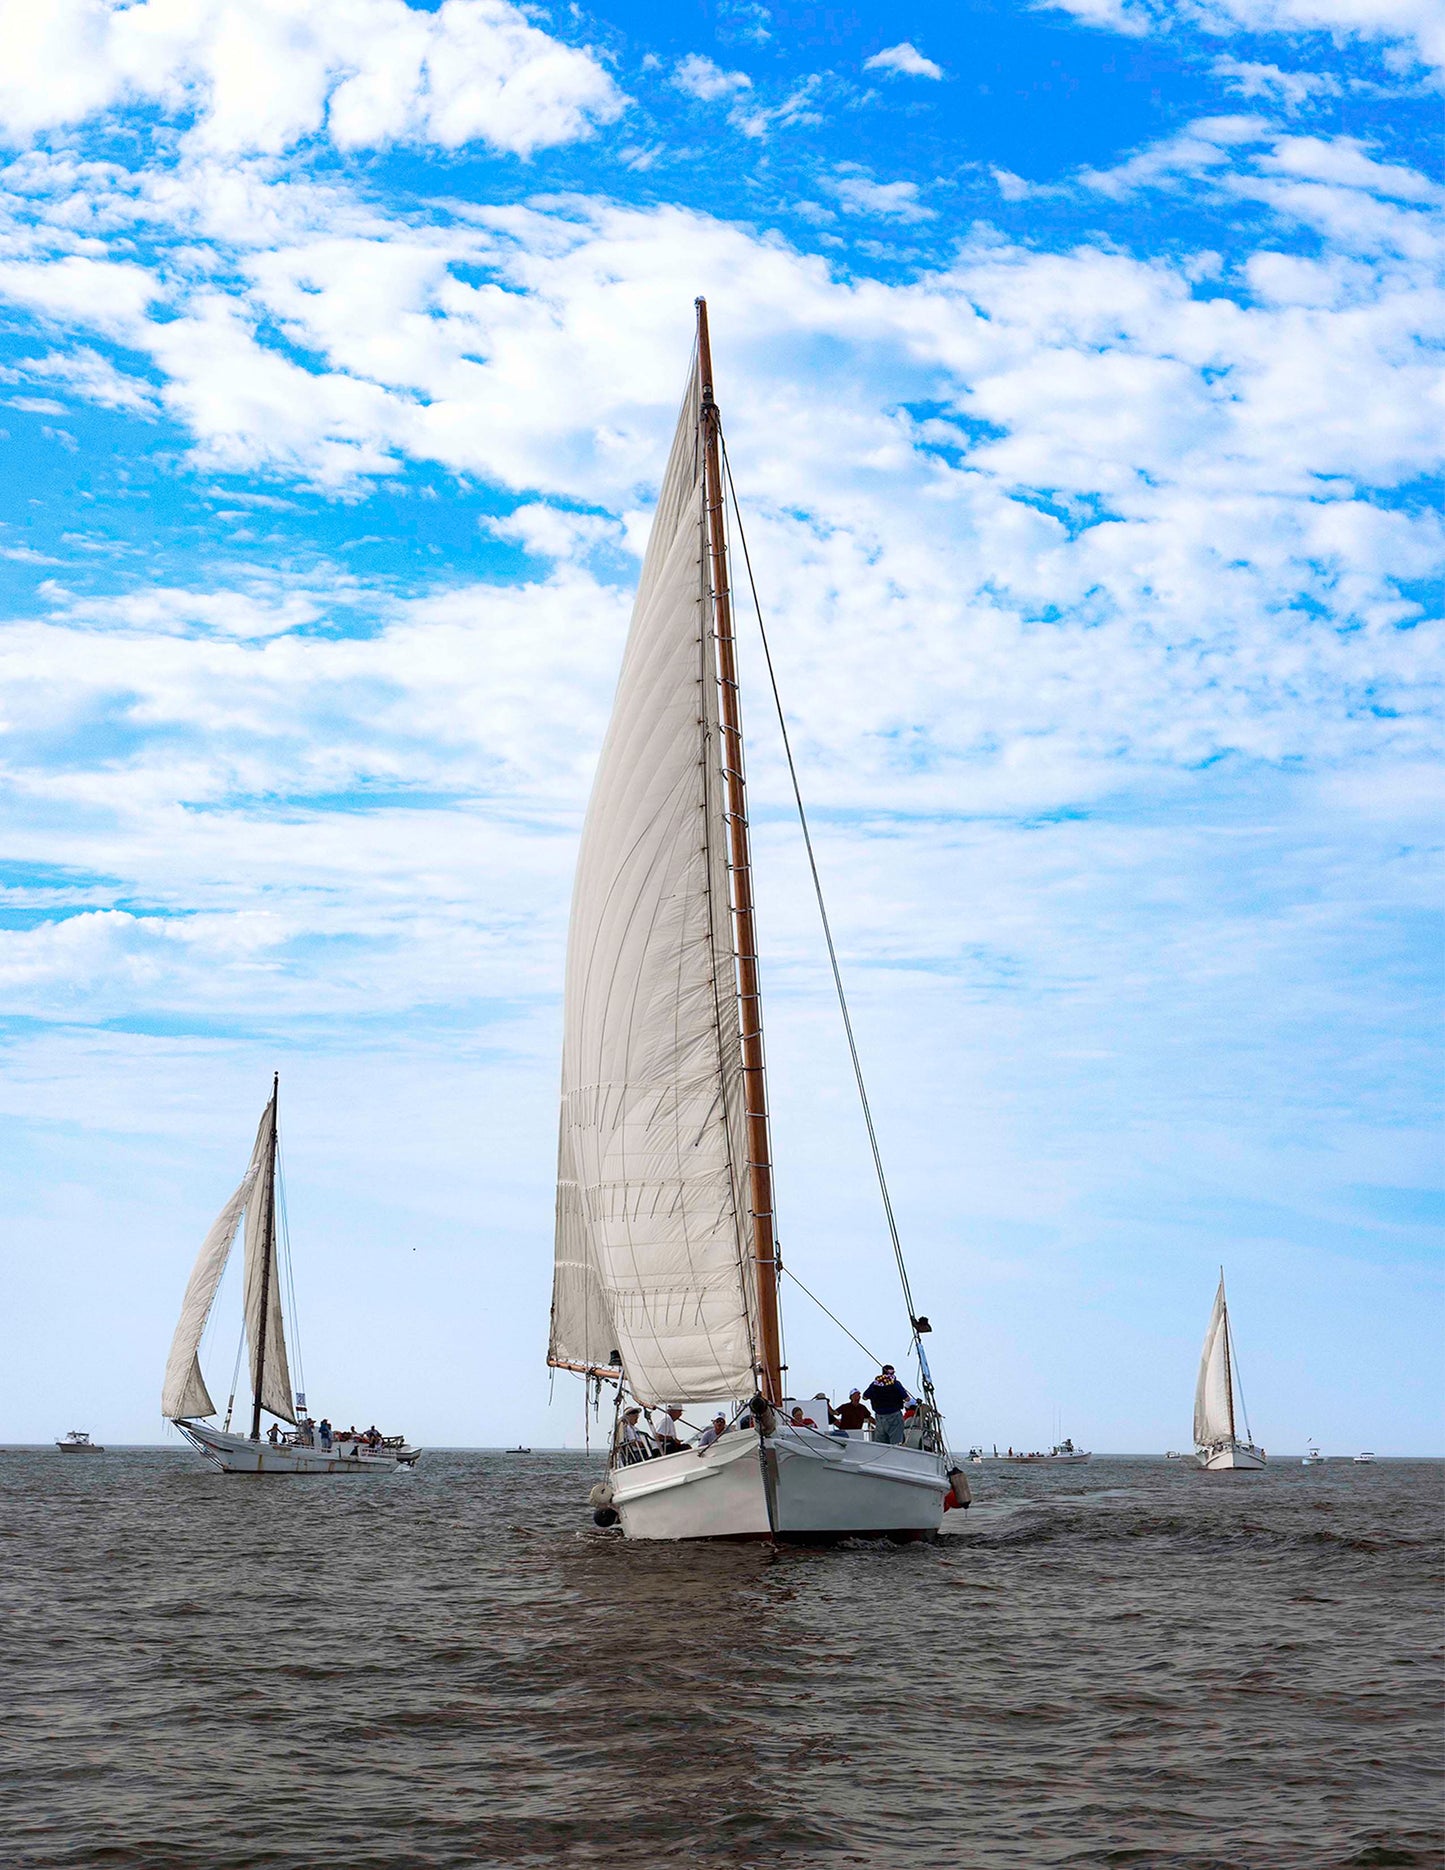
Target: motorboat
x=1312, y=1457
x=78, y=1442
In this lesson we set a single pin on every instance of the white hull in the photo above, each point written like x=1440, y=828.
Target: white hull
x=238, y=1454
x=1236, y=1454
x=821, y=1487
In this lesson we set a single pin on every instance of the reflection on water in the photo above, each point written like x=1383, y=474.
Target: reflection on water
x=1131, y=1663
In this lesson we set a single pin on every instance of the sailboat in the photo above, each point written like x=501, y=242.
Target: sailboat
x=308, y=1448
x=1217, y=1442
x=667, y=1262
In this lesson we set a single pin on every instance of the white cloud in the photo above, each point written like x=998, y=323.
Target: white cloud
x=905, y=60
x=1012, y=187
x=700, y=77
x=797, y=108
x=1410, y=29
x=87, y=374
x=548, y=531
x=263, y=75
x=1293, y=89
x=893, y=201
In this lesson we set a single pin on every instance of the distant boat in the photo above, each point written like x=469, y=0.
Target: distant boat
x=1365, y=1454
x=78, y=1442
x=1062, y=1451
x=185, y=1398
x=1218, y=1446
x=516, y=1451
x=1312, y=1457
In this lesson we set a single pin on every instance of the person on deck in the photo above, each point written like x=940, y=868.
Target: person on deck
x=889, y=1399
x=716, y=1428
x=664, y=1429
x=853, y=1414
x=323, y=1429
x=631, y=1442
x=275, y=1435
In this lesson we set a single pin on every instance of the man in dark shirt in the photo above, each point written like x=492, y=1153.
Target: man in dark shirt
x=853, y=1414
x=889, y=1400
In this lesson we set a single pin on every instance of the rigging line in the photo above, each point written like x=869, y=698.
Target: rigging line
x=1238, y=1386
x=827, y=1314
x=822, y=906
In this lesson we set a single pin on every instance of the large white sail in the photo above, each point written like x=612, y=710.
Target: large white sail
x=1213, y=1398
x=184, y=1392
x=273, y=1385
x=651, y=1209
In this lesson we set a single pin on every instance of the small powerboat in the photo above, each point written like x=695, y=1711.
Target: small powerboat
x=1061, y=1451
x=78, y=1442
x=1365, y=1455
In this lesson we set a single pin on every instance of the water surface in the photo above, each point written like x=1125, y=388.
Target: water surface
x=1126, y=1663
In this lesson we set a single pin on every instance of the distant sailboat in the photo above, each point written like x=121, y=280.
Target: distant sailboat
x=667, y=1263
x=185, y=1398
x=1218, y=1445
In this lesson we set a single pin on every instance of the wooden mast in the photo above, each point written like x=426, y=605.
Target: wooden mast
x=268, y=1255
x=750, y=1006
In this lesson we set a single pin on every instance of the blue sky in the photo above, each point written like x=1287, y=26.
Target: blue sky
x=1081, y=368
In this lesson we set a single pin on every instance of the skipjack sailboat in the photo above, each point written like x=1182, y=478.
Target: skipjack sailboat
x=308, y=1449
x=1218, y=1445
x=667, y=1264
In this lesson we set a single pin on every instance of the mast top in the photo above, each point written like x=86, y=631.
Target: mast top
x=704, y=352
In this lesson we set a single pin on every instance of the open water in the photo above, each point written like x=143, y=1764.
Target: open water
x=1128, y=1663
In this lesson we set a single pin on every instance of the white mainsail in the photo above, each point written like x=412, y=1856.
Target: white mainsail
x=1213, y=1394
x=273, y=1385
x=651, y=1204
x=184, y=1391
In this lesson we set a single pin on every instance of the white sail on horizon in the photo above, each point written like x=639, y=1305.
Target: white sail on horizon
x=652, y=1214
x=1213, y=1393
x=183, y=1392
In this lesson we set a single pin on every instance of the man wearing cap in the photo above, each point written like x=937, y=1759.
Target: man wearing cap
x=664, y=1429
x=889, y=1400
x=631, y=1443
x=853, y=1414
x=717, y=1427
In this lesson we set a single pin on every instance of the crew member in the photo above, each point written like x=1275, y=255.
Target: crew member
x=853, y=1414
x=664, y=1428
x=889, y=1399
x=718, y=1426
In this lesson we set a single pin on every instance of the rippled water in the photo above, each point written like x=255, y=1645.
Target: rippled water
x=1129, y=1663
